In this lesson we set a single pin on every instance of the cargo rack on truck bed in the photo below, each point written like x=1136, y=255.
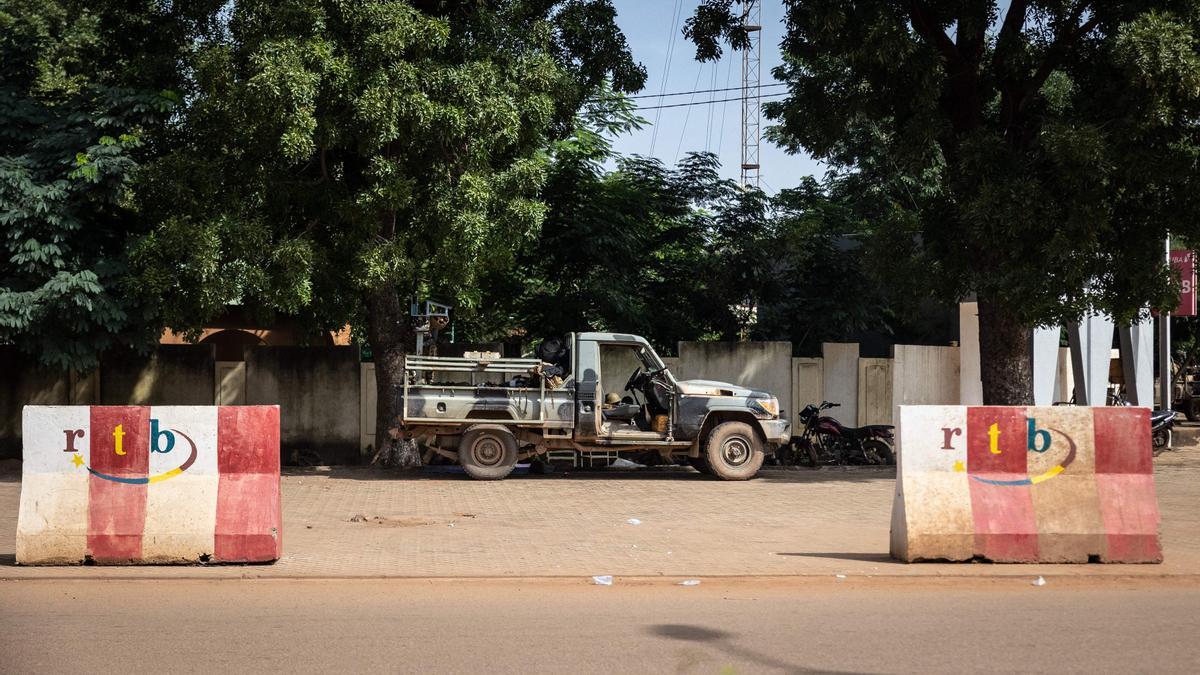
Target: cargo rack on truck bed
x=456, y=364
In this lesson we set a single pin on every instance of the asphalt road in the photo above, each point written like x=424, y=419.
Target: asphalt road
x=725, y=627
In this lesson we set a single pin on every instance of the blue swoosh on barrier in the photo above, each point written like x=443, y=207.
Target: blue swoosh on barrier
x=1062, y=466
x=143, y=481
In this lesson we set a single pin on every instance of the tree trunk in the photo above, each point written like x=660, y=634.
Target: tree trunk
x=1005, y=356
x=388, y=332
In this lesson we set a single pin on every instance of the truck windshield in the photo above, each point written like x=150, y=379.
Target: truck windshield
x=650, y=360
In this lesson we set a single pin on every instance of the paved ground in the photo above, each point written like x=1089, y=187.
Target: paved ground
x=500, y=627
x=789, y=522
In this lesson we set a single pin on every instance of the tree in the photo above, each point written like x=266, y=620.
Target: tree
x=816, y=245
x=84, y=89
x=1035, y=156
x=641, y=248
x=338, y=158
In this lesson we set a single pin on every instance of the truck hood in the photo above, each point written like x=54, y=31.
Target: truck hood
x=715, y=388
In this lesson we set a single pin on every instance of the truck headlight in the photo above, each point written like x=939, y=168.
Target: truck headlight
x=765, y=407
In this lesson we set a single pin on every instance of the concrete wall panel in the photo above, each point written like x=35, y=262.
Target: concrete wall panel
x=808, y=386
x=762, y=365
x=21, y=384
x=970, y=385
x=317, y=390
x=874, y=391
x=924, y=375
x=840, y=380
x=171, y=375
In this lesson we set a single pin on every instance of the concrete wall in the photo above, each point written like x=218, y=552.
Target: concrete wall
x=761, y=365
x=841, y=380
x=924, y=376
x=617, y=363
x=808, y=386
x=969, y=383
x=317, y=390
x=23, y=385
x=171, y=375
x=874, y=391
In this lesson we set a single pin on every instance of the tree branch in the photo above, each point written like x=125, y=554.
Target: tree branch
x=1014, y=21
x=1063, y=40
x=933, y=34
x=972, y=32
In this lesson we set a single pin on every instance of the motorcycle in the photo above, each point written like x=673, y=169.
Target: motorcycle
x=827, y=441
x=1162, y=422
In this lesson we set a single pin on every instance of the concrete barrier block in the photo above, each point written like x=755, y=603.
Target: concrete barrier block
x=1025, y=484
x=140, y=485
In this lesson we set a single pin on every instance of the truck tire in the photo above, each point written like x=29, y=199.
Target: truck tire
x=487, y=451
x=734, y=451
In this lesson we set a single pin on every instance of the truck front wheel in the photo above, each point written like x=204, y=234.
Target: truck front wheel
x=734, y=451
x=487, y=451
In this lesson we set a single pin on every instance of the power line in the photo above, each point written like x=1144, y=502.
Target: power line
x=666, y=70
x=724, y=107
x=688, y=116
x=719, y=100
x=708, y=132
x=684, y=93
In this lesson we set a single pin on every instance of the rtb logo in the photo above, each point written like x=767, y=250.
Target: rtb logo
x=162, y=441
x=1037, y=440
x=118, y=434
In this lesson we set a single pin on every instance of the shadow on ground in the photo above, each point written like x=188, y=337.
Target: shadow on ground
x=725, y=643
x=454, y=473
x=861, y=557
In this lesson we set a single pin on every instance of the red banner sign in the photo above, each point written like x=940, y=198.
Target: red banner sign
x=1184, y=262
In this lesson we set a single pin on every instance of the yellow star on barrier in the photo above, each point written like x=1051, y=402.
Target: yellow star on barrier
x=958, y=466
x=76, y=460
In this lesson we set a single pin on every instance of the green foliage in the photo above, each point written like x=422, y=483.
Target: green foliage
x=678, y=254
x=83, y=89
x=333, y=150
x=823, y=288
x=1035, y=154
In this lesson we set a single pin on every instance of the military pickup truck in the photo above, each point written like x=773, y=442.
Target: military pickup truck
x=597, y=392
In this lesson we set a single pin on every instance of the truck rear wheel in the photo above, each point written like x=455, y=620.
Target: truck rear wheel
x=487, y=451
x=734, y=451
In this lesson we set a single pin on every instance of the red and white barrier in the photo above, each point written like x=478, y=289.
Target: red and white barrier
x=1016, y=484
x=137, y=484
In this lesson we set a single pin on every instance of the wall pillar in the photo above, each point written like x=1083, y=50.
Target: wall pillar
x=970, y=383
x=1045, y=365
x=1091, y=352
x=1137, y=362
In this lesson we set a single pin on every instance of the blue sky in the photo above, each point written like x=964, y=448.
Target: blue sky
x=648, y=27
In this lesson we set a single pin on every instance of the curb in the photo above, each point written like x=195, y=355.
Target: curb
x=833, y=580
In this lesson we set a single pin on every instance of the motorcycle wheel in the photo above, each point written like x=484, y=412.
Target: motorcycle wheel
x=806, y=454
x=1162, y=441
x=878, y=452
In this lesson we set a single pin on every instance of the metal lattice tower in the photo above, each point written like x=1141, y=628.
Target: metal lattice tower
x=751, y=91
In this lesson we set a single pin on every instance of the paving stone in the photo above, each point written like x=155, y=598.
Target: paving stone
x=788, y=521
